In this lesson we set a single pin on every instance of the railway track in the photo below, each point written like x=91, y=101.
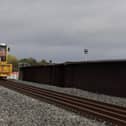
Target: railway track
x=104, y=111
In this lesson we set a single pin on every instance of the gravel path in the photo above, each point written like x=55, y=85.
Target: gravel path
x=19, y=110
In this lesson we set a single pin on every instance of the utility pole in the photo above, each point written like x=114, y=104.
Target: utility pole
x=85, y=54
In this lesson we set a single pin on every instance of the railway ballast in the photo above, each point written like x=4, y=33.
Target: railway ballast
x=112, y=113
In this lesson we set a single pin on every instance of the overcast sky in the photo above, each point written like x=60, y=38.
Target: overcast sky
x=59, y=30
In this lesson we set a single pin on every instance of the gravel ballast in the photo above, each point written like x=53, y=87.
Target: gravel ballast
x=19, y=110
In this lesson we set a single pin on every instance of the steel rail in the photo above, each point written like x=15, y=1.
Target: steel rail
x=108, y=112
x=83, y=100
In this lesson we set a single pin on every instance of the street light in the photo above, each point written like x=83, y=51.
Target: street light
x=85, y=52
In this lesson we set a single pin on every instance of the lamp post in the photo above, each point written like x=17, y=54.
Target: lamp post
x=85, y=53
